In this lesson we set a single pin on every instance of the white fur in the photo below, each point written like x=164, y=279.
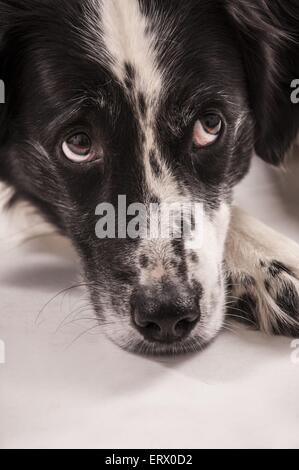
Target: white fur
x=249, y=243
x=124, y=34
x=211, y=254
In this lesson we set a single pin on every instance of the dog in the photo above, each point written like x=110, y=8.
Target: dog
x=158, y=101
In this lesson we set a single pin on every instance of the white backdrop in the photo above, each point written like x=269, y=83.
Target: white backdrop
x=64, y=387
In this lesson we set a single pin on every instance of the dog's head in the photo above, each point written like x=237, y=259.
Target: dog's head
x=118, y=102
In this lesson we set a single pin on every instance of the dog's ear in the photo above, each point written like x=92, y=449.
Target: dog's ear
x=268, y=34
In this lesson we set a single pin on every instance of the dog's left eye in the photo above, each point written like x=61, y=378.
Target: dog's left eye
x=78, y=148
x=207, y=130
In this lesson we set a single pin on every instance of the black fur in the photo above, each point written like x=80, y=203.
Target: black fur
x=268, y=33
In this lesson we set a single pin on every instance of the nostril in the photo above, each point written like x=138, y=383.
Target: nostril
x=149, y=329
x=150, y=326
x=153, y=330
x=185, y=325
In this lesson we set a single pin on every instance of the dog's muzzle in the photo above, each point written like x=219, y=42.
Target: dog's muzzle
x=164, y=314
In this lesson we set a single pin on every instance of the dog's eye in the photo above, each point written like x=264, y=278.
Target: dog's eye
x=78, y=148
x=207, y=130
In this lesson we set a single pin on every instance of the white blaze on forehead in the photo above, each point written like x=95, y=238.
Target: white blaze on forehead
x=128, y=39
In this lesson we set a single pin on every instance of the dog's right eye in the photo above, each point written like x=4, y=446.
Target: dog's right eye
x=207, y=130
x=78, y=148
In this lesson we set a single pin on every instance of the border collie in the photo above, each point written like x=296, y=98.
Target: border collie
x=160, y=102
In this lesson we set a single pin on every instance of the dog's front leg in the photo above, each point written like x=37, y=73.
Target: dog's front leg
x=263, y=276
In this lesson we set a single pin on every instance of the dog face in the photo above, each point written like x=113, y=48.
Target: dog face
x=143, y=99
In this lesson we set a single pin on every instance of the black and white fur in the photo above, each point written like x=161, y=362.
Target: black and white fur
x=136, y=74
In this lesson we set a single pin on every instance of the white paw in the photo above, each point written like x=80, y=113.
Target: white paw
x=263, y=277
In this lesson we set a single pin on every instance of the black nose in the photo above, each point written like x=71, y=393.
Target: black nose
x=166, y=317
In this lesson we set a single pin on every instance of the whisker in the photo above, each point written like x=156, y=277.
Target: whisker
x=63, y=291
x=240, y=317
x=81, y=335
x=65, y=323
x=76, y=311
